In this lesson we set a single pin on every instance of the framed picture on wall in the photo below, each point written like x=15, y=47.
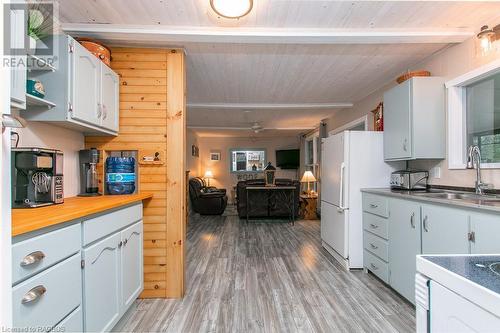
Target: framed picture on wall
x=195, y=151
x=215, y=156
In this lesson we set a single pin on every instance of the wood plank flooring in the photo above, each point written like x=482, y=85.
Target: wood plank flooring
x=269, y=277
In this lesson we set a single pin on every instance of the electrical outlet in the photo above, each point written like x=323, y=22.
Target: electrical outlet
x=435, y=172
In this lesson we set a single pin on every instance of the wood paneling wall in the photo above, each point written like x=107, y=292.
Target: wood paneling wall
x=152, y=118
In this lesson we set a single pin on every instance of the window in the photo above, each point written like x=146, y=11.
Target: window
x=473, y=116
x=248, y=160
x=483, y=117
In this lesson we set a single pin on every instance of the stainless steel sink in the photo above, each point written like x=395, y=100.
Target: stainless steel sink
x=460, y=196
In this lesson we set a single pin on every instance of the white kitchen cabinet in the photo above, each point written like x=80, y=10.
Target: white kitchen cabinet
x=102, y=284
x=444, y=230
x=414, y=120
x=18, y=74
x=85, y=83
x=109, y=98
x=453, y=313
x=84, y=89
x=485, y=229
x=404, y=245
x=131, y=264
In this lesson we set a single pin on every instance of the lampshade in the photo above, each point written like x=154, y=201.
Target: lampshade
x=308, y=177
x=208, y=174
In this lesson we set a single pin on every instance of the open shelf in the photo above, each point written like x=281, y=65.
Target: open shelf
x=35, y=63
x=37, y=101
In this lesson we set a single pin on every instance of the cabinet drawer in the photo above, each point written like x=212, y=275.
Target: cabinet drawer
x=106, y=224
x=59, y=291
x=376, y=266
x=376, y=245
x=376, y=224
x=38, y=253
x=72, y=323
x=375, y=204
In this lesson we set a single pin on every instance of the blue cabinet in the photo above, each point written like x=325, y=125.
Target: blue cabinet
x=404, y=245
x=101, y=280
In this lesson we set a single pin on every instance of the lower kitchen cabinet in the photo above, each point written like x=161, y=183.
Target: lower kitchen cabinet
x=404, y=245
x=485, y=229
x=101, y=280
x=452, y=313
x=444, y=230
x=131, y=264
x=81, y=277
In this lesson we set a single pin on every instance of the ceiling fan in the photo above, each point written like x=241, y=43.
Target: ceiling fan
x=256, y=127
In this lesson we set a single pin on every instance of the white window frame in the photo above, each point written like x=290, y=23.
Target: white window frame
x=353, y=124
x=457, y=118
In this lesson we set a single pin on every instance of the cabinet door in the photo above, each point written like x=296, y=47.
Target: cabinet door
x=18, y=75
x=397, y=122
x=131, y=264
x=102, y=284
x=85, y=80
x=109, y=98
x=444, y=230
x=404, y=245
x=486, y=228
x=453, y=313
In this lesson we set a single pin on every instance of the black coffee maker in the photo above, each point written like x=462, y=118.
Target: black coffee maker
x=89, y=178
x=37, y=177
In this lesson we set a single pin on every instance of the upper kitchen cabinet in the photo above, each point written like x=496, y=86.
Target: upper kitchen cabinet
x=85, y=90
x=18, y=75
x=414, y=120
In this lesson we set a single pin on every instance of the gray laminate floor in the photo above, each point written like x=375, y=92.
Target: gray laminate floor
x=269, y=277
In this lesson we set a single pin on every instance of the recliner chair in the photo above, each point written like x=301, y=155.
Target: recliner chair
x=206, y=200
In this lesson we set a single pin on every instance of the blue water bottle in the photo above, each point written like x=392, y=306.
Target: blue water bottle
x=120, y=175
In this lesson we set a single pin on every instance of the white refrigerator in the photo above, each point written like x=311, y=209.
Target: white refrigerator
x=350, y=161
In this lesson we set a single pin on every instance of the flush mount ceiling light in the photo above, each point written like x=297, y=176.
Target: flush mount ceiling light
x=232, y=9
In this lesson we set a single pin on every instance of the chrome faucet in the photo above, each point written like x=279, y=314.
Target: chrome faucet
x=474, y=161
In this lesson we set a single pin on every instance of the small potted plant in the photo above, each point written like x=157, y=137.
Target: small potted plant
x=36, y=29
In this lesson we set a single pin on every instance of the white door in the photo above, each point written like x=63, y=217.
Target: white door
x=453, y=313
x=102, y=284
x=334, y=228
x=109, y=98
x=85, y=81
x=332, y=169
x=131, y=264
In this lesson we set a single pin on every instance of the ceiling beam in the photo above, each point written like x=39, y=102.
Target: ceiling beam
x=219, y=128
x=177, y=35
x=269, y=106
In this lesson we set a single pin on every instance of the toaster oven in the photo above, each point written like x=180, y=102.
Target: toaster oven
x=409, y=180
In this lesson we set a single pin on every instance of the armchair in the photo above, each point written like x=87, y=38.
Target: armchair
x=206, y=200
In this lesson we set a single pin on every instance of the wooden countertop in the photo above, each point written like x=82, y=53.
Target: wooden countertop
x=25, y=220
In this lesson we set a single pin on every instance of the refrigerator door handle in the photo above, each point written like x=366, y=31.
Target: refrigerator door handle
x=341, y=198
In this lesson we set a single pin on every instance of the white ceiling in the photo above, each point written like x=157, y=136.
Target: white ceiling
x=225, y=70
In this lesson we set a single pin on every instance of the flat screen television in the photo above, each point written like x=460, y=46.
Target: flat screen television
x=288, y=159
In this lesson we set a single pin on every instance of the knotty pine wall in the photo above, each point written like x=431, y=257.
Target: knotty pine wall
x=152, y=118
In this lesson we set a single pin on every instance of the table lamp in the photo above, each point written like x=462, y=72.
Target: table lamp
x=208, y=175
x=308, y=177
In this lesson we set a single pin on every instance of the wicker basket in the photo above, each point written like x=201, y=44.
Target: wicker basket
x=409, y=75
x=99, y=50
